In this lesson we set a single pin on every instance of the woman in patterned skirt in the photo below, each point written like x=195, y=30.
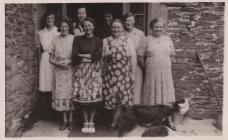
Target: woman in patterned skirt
x=119, y=58
x=159, y=53
x=87, y=85
x=61, y=49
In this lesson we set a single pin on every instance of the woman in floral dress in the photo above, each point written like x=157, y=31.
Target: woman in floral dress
x=62, y=77
x=87, y=83
x=119, y=58
x=159, y=51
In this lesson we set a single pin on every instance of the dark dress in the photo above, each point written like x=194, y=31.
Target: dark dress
x=87, y=82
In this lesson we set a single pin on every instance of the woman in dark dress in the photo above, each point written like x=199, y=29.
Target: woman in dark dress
x=87, y=82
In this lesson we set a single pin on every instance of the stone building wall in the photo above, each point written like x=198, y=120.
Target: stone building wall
x=198, y=27
x=21, y=69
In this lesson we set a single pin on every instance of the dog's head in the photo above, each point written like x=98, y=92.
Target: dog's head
x=182, y=106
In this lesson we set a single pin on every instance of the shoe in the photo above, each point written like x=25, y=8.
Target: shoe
x=85, y=128
x=63, y=126
x=71, y=126
x=112, y=128
x=91, y=128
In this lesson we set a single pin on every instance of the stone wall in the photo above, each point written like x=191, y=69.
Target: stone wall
x=21, y=69
x=198, y=27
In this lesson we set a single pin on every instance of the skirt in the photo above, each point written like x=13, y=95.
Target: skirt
x=87, y=84
x=45, y=73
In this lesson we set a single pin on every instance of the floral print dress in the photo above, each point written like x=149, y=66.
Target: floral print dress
x=117, y=73
x=63, y=72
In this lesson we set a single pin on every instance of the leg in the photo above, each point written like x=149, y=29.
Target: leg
x=64, y=124
x=86, y=120
x=92, y=113
x=170, y=123
x=120, y=133
x=115, y=116
x=71, y=124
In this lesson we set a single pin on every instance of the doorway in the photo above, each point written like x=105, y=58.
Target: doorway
x=96, y=10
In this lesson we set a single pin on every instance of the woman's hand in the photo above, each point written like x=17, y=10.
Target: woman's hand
x=85, y=55
x=173, y=59
x=141, y=62
x=85, y=60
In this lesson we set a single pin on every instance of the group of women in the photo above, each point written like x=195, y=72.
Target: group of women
x=80, y=69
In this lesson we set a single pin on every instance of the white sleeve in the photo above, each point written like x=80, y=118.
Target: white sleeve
x=171, y=45
x=132, y=54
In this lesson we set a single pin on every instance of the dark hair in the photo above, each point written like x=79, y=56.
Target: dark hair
x=117, y=20
x=128, y=15
x=156, y=20
x=68, y=21
x=82, y=7
x=43, y=22
x=108, y=13
x=90, y=20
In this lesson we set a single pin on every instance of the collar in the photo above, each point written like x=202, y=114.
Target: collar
x=53, y=29
x=122, y=37
x=134, y=31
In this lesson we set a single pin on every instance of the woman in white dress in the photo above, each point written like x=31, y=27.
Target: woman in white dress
x=138, y=38
x=45, y=37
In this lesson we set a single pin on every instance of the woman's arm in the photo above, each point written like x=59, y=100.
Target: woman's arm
x=104, y=53
x=141, y=52
x=96, y=56
x=132, y=54
x=57, y=61
x=173, y=54
x=75, y=58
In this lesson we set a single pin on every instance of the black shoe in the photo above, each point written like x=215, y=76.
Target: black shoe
x=112, y=128
x=63, y=126
x=71, y=126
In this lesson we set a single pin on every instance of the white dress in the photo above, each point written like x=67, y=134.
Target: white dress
x=138, y=38
x=45, y=71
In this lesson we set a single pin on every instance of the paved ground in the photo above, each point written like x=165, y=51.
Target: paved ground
x=188, y=127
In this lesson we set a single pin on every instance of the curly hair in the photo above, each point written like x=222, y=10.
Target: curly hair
x=156, y=20
x=43, y=22
x=118, y=20
x=128, y=15
x=90, y=20
x=68, y=21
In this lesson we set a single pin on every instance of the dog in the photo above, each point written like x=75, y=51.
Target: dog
x=127, y=117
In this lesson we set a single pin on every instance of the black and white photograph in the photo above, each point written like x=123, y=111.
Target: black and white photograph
x=114, y=69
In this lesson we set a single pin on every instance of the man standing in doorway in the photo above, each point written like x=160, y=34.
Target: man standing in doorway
x=105, y=30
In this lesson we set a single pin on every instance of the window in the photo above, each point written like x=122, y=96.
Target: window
x=140, y=11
